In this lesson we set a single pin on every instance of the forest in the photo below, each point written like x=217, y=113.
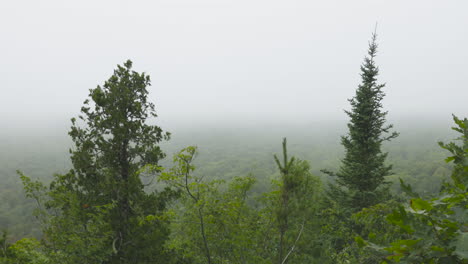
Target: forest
x=120, y=189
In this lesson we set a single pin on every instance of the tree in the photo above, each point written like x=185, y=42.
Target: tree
x=216, y=222
x=294, y=202
x=436, y=229
x=289, y=185
x=361, y=177
x=98, y=205
x=195, y=191
x=212, y=223
x=26, y=250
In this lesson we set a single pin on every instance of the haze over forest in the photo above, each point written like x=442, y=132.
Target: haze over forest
x=222, y=61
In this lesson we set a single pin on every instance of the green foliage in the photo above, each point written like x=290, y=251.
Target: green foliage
x=361, y=177
x=102, y=210
x=27, y=251
x=92, y=213
x=291, y=209
x=215, y=222
x=436, y=228
x=66, y=239
x=210, y=225
x=23, y=251
x=360, y=193
x=289, y=185
x=342, y=236
x=417, y=159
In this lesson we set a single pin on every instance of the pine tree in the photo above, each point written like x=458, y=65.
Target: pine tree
x=361, y=177
x=288, y=185
x=294, y=205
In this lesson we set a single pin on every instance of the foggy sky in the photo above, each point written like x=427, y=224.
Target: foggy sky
x=221, y=60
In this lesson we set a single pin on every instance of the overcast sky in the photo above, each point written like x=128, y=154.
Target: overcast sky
x=218, y=60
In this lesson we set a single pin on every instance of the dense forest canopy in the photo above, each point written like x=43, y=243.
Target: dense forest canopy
x=415, y=154
x=225, y=154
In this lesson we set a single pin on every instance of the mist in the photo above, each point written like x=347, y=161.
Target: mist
x=234, y=63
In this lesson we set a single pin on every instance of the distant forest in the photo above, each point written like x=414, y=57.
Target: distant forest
x=121, y=189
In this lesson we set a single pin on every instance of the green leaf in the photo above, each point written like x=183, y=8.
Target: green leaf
x=449, y=159
x=419, y=204
x=361, y=243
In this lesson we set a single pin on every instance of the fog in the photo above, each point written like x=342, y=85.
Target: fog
x=245, y=62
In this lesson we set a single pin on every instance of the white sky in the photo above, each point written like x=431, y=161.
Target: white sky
x=221, y=60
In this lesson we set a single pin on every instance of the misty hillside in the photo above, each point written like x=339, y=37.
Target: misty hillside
x=225, y=153
x=233, y=132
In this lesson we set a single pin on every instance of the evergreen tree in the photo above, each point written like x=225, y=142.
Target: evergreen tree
x=288, y=185
x=109, y=152
x=361, y=177
x=97, y=209
x=294, y=204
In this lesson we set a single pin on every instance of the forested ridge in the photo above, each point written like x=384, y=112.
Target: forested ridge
x=360, y=192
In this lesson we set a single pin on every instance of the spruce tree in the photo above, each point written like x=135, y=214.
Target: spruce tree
x=361, y=177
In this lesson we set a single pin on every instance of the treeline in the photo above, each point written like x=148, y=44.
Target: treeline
x=415, y=155
x=223, y=155
x=118, y=204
